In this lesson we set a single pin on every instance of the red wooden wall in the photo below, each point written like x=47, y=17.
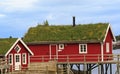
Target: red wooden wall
x=71, y=50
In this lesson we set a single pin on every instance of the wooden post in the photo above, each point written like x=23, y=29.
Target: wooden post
x=98, y=68
x=110, y=68
x=106, y=68
x=68, y=65
x=102, y=68
x=84, y=68
x=87, y=69
x=68, y=68
x=78, y=66
x=64, y=68
x=84, y=64
x=118, y=64
x=47, y=70
x=90, y=68
x=57, y=68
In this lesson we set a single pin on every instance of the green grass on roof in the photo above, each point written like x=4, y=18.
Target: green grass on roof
x=85, y=32
x=5, y=44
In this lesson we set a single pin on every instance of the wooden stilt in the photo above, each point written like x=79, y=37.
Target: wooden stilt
x=90, y=68
x=71, y=66
x=110, y=68
x=84, y=68
x=102, y=68
x=99, y=71
x=106, y=68
x=78, y=66
x=118, y=64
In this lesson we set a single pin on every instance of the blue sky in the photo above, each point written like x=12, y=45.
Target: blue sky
x=16, y=16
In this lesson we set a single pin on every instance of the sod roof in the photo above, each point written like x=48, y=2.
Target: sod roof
x=62, y=33
x=6, y=44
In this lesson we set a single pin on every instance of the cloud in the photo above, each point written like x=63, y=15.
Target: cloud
x=18, y=5
x=27, y=13
x=50, y=17
x=2, y=15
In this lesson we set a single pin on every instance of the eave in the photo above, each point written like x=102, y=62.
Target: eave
x=61, y=42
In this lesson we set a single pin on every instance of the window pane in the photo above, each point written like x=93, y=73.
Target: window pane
x=61, y=46
x=17, y=58
x=17, y=48
x=24, y=58
x=107, y=47
x=83, y=48
x=10, y=59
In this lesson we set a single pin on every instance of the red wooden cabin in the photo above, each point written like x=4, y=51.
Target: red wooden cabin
x=78, y=43
x=16, y=52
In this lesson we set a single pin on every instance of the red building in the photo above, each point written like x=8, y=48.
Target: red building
x=78, y=43
x=16, y=52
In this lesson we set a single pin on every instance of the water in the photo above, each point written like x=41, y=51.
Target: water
x=95, y=71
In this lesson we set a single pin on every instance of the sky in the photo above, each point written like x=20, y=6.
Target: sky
x=17, y=16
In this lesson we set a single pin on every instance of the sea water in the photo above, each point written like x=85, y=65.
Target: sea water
x=114, y=67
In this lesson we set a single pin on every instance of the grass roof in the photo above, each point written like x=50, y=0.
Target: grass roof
x=81, y=32
x=5, y=44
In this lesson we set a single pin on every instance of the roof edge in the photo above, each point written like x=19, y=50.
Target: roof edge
x=60, y=42
x=109, y=27
x=19, y=39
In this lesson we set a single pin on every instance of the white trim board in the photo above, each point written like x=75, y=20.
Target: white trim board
x=19, y=39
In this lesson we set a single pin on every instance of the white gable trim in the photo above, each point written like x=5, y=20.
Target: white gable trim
x=19, y=39
x=109, y=27
x=102, y=52
x=26, y=47
x=11, y=47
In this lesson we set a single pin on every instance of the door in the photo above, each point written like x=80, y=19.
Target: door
x=17, y=61
x=53, y=51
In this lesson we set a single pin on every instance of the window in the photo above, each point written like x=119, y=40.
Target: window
x=107, y=47
x=61, y=46
x=17, y=58
x=17, y=48
x=82, y=48
x=10, y=59
x=24, y=58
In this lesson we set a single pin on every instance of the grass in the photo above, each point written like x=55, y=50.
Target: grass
x=86, y=32
x=5, y=44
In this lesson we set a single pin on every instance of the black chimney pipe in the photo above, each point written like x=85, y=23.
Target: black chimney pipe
x=73, y=21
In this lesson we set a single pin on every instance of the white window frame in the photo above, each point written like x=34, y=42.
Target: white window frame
x=24, y=58
x=107, y=47
x=82, y=48
x=17, y=58
x=11, y=59
x=61, y=47
x=18, y=47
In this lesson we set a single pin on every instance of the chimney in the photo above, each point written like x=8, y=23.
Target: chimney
x=73, y=21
